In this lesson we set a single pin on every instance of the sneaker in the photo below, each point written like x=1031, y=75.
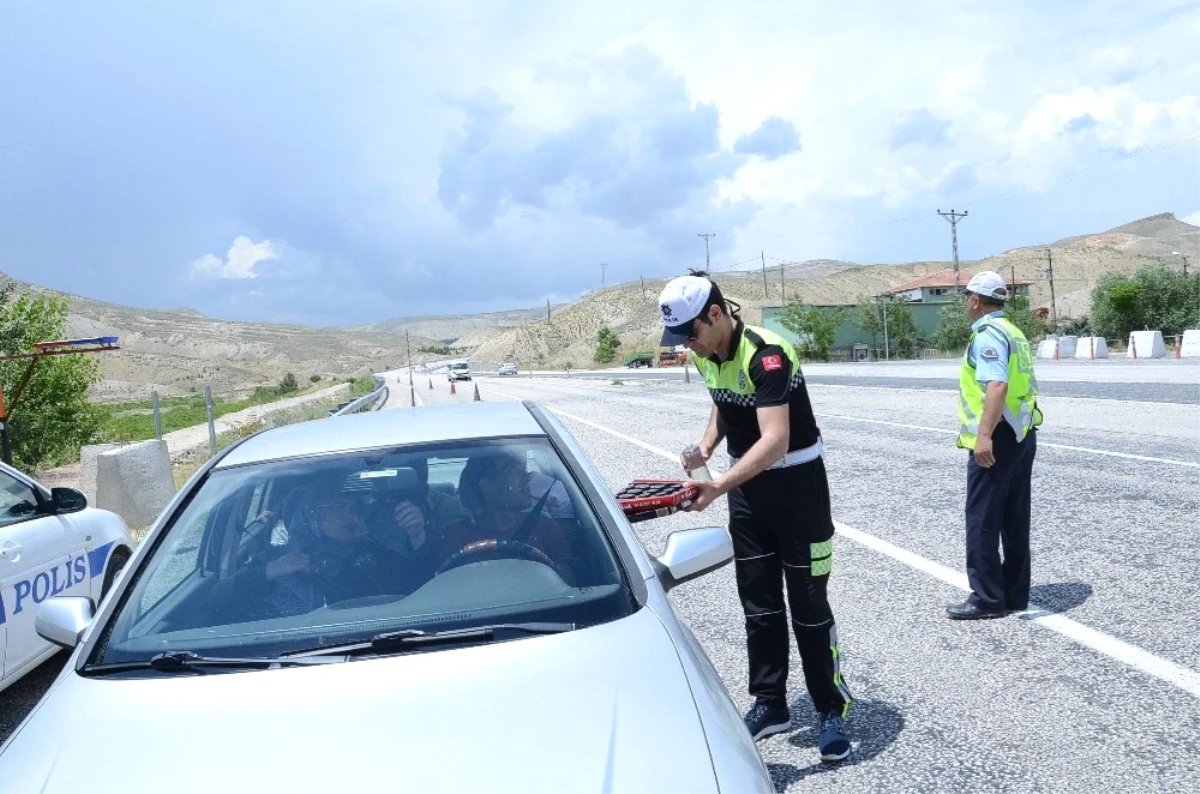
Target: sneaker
x=833, y=745
x=764, y=719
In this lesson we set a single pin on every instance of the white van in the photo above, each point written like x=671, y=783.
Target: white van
x=459, y=370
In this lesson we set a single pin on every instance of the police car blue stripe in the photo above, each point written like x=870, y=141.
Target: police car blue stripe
x=97, y=557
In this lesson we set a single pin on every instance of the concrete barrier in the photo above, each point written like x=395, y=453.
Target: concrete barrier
x=135, y=482
x=1146, y=344
x=1191, y=344
x=87, y=468
x=1091, y=347
x=1062, y=347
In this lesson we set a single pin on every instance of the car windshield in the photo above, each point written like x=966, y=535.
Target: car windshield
x=459, y=366
x=272, y=558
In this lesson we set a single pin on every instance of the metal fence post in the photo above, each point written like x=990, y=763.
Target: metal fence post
x=212, y=428
x=157, y=416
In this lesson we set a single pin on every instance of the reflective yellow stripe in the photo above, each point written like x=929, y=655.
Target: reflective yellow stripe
x=821, y=555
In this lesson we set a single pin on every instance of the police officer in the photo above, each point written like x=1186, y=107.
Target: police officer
x=998, y=412
x=779, y=513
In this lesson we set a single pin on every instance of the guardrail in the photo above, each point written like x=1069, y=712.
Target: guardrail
x=372, y=401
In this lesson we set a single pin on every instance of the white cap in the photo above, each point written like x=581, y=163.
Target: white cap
x=681, y=302
x=989, y=284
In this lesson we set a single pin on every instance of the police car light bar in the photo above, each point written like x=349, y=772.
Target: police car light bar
x=97, y=341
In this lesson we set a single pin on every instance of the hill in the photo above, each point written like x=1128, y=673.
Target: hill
x=175, y=352
x=1079, y=262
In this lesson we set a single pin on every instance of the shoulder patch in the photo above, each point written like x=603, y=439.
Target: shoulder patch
x=772, y=363
x=742, y=379
x=989, y=352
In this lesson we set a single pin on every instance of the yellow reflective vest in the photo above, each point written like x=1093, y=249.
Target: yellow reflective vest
x=1020, y=406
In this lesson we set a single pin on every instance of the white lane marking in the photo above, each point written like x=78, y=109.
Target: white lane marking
x=1141, y=660
x=1109, y=453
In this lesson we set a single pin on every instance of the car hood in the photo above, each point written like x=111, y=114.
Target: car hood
x=605, y=708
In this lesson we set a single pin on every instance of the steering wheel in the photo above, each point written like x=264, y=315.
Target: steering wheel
x=508, y=549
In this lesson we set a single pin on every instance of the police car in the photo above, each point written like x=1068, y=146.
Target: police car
x=51, y=544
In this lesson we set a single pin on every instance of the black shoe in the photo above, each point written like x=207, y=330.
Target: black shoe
x=765, y=718
x=833, y=745
x=968, y=611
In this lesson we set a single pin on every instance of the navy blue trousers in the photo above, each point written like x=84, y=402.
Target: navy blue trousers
x=998, y=515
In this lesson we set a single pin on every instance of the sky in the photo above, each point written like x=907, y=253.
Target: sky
x=335, y=164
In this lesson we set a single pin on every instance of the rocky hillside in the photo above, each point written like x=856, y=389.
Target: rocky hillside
x=174, y=352
x=1079, y=262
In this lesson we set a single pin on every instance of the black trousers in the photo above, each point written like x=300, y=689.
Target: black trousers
x=783, y=531
x=998, y=514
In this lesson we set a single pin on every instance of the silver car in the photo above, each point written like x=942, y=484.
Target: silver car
x=440, y=600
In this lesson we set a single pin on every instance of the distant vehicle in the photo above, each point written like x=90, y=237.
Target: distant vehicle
x=508, y=368
x=640, y=358
x=458, y=370
x=51, y=544
x=673, y=357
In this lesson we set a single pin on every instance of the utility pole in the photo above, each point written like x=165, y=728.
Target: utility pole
x=886, y=343
x=764, y=264
x=643, y=280
x=412, y=391
x=1050, y=278
x=1012, y=288
x=547, y=310
x=707, y=261
x=782, y=286
x=603, y=267
x=952, y=218
x=1185, y=259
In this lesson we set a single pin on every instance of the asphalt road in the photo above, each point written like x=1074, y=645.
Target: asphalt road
x=1097, y=690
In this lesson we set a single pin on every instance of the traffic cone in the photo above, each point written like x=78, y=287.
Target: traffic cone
x=431, y=384
x=687, y=378
x=477, y=393
x=1133, y=346
x=1056, y=348
x=452, y=390
x=1178, y=347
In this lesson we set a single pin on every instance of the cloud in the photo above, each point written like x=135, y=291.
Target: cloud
x=920, y=127
x=239, y=263
x=774, y=138
x=1080, y=123
x=1193, y=219
x=635, y=164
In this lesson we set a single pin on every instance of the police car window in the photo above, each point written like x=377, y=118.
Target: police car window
x=17, y=500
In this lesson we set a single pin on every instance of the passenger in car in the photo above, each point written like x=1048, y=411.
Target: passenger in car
x=409, y=515
x=329, y=558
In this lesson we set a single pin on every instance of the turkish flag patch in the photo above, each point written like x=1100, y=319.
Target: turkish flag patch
x=772, y=363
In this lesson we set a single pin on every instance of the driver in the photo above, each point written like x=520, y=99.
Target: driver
x=496, y=487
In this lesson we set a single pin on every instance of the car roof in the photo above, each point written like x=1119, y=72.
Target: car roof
x=376, y=429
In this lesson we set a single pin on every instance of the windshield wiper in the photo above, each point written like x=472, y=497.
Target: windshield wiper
x=189, y=661
x=416, y=639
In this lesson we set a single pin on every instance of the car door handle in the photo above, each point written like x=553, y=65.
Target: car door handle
x=10, y=551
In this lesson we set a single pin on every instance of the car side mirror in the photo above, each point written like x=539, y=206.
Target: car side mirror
x=68, y=500
x=691, y=553
x=62, y=619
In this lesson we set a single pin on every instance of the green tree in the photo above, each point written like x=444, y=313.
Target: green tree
x=1155, y=298
x=607, y=344
x=816, y=326
x=53, y=417
x=288, y=384
x=900, y=331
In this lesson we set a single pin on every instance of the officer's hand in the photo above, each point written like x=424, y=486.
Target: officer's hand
x=983, y=451
x=708, y=494
x=410, y=519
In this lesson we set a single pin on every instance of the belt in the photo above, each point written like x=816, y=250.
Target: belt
x=795, y=457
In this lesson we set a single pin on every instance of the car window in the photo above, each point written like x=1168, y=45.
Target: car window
x=17, y=500
x=271, y=558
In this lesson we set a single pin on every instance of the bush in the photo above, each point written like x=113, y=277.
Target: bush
x=1155, y=298
x=288, y=384
x=607, y=344
x=954, y=327
x=314, y=378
